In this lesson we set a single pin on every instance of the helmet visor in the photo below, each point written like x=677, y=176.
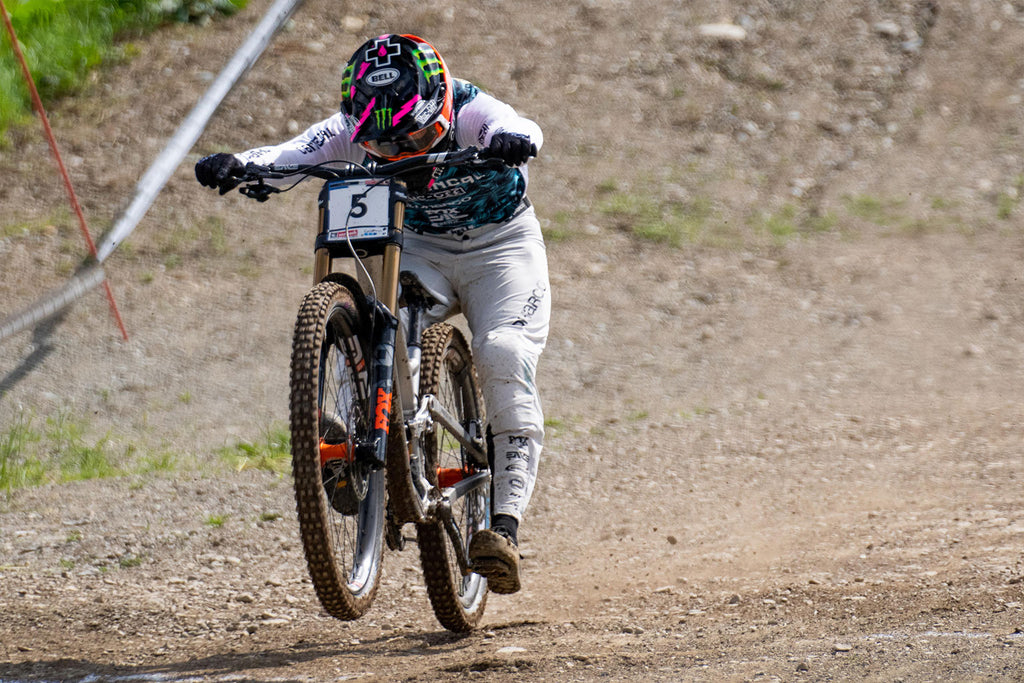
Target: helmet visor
x=408, y=144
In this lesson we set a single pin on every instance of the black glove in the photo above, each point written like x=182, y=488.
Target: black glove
x=219, y=170
x=512, y=148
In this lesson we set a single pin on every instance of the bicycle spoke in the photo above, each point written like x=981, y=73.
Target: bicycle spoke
x=340, y=502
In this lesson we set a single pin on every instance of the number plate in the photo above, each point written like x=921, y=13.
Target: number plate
x=358, y=210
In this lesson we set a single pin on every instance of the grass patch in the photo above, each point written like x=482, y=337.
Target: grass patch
x=1008, y=200
x=62, y=448
x=555, y=427
x=216, y=521
x=129, y=560
x=698, y=410
x=56, y=450
x=557, y=229
x=659, y=220
x=880, y=211
x=164, y=461
x=790, y=220
x=39, y=226
x=78, y=458
x=63, y=42
x=271, y=453
x=19, y=466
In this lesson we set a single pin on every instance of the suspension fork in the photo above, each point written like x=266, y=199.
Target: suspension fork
x=386, y=324
x=375, y=449
x=393, y=377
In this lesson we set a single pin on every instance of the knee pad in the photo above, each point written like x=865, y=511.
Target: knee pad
x=506, y=362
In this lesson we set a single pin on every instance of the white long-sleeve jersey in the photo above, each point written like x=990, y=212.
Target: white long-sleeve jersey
x=461, y=197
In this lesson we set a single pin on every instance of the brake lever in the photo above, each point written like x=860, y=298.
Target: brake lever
x=260, y=191
x=487, y=162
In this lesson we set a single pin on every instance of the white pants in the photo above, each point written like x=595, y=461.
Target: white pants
x=497, y=276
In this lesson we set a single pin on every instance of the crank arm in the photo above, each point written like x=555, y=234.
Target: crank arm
x=442, y=511
x=436, y=507
x=466, y=486
x=444, y=514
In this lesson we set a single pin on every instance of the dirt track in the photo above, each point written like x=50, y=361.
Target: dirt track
x=773, y=454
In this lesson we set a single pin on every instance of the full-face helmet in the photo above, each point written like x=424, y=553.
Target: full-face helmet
x=397, y=95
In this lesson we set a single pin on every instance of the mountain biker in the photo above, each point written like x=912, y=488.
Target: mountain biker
x=472, y=238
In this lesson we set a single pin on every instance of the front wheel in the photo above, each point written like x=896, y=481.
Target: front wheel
x=447, y=373
x=340, y=501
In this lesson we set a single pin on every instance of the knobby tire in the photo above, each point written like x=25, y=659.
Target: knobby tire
x=447, y=372
x=341, y=525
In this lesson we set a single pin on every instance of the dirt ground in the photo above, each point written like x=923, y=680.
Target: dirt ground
x=785, y=446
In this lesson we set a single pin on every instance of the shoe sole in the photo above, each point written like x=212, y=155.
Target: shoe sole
x=497, y=560
x=500, y=577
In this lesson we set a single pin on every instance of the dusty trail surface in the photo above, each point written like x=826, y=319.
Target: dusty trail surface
x=784, y=390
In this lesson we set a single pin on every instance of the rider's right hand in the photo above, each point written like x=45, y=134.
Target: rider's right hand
x=514, y=149
x=220, y=170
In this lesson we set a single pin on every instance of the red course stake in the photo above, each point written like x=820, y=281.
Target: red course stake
x=38, y=104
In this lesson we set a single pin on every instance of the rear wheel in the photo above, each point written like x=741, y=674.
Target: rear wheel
x=340, y=502
x=447, y=373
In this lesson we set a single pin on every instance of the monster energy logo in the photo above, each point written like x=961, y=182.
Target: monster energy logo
x=382, y=117
x=427, y=61
x=346, y=82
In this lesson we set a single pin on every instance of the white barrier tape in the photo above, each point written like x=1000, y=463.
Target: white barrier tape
x=153, y=181
x=53, y=302
x=150, y=185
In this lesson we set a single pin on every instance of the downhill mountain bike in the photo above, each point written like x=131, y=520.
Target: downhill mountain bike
x=387, y=420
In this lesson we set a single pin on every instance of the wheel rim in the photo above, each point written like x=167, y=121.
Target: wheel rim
x=469, y=512
x=355, y=541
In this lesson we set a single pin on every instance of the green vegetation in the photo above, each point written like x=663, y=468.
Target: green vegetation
x=272, y=453
x=64, y=41
x=790, y=220
x=58, y=449
x=129, y=560
x=1008, y=200
x=215, y=521
x=681, y=208
x=17, y=470
x=881, y=212
x=557, y=228
x=657, y=219
x=156, y=462
x=684, y=208
x=37, y=226
x=554, y=427
x=57, y=452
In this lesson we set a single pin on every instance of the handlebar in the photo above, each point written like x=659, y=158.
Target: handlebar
x=255, y=174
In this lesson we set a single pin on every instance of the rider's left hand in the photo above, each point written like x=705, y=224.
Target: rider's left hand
x=512, y=148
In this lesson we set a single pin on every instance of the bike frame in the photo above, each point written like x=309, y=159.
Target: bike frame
x=394, y=364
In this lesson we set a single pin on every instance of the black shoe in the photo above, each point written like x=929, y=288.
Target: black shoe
x=495, y=556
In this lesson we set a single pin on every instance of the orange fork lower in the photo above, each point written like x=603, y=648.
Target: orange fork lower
x=331, y=451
